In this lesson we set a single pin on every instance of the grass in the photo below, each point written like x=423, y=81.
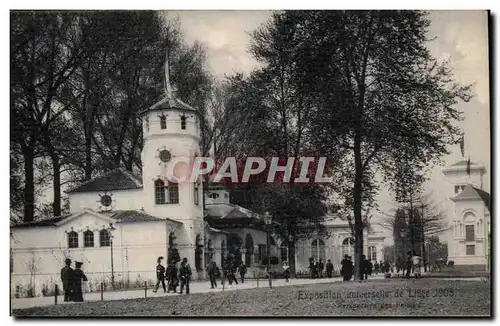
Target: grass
x=423, y=297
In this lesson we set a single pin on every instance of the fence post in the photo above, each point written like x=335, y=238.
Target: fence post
x=55, y=294
x=258, y=275
x=145, y=289
x=102, y=291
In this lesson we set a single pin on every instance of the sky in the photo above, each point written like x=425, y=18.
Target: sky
x=461, y=38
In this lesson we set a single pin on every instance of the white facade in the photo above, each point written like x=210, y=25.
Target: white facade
x=339, y=242
x=469, y=217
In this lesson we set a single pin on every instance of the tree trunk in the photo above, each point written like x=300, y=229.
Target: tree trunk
x=88, y=151
x=358, y=202
x=29, y=185
x=291, y=257
x=56, y=171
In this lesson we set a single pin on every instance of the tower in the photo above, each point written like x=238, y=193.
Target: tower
x=171, y=130
x=468, y=211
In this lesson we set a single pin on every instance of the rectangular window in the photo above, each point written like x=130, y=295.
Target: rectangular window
x=457, y=189
x=183, y=123
x=262, y=252
x=470, y=250
x=469, y=233
x=196, y=195
x=163, y=122
x=173, y=193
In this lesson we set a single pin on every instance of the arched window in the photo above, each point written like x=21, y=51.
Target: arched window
x=348, y=247
x=318, y=249
x=198, y=253
x=183, y=122
x=209, y=251
x=159, y=192
x=372, y=253
x=72, y=239
x=104, y=238
x=166, y=194
x=88, y=239
x=249, y=246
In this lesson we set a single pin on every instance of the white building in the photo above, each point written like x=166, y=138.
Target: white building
x=469, y=212
x=120, y=223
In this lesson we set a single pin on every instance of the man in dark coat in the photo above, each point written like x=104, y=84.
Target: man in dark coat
x=212, y=273
x=243, y=271
x=312, y=268
x=347, y=268
x=365, y=267
x=160, y=275
x=66, y=274
x=77, y=277
x=321, y=266
x=184, y=275
x=329, y=269
x=172, y=277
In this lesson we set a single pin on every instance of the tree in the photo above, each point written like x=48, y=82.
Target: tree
x=378, y=94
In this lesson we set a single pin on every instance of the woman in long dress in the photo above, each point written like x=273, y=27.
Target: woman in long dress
x=415, y=259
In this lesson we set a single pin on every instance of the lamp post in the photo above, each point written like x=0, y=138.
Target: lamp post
x=402, y=233
x=267, y=220
x=110, y=229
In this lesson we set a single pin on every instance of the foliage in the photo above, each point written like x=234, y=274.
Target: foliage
x=78, y=81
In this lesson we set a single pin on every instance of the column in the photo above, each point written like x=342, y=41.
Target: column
x=243, y=255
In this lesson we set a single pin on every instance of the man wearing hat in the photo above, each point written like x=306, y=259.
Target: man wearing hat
x=66, y=272
x=184, y=275
x=78, y=277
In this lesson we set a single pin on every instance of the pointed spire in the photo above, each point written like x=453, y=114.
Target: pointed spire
x=168, y=87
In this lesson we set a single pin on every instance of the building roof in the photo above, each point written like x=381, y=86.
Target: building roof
x=128, y=216
x=118, y=179
x=472, y=193
x=168, y=103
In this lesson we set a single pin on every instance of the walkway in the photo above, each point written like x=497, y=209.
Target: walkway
x=195, y=287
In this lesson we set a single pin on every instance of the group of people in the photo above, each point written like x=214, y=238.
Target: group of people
x=316, y=268
x=72, y=281
x=175, y=274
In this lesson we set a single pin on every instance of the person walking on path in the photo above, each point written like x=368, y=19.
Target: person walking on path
x=172, y=277
x=329, y=269
x=286, y=271
x=243, y=270
x=66, y=274
x=77, y=277
x=160, y=276
x=347, y=268
x=321, y=266
x=408, y=264
x=416, y=264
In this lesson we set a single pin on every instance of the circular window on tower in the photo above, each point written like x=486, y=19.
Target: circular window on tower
x=165, y=155
x=106, y=200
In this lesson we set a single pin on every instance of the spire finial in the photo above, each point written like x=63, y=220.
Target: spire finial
x=168, y=88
